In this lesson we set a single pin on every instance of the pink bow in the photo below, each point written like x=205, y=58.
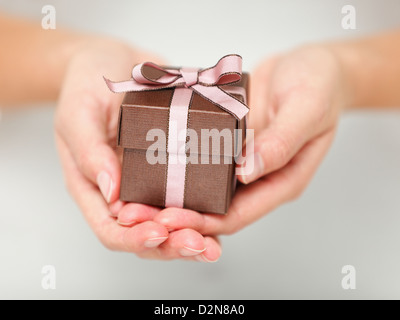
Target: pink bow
x=206, y=82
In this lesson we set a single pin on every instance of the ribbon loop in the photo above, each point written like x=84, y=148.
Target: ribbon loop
x=227, y=70
x=151, y=73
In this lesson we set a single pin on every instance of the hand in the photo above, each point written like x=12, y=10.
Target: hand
x=86, y=128
x=295, y=103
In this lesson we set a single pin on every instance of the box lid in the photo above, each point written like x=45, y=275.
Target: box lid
x=141, y=112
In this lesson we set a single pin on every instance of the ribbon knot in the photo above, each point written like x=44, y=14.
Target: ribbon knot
x=190, y=76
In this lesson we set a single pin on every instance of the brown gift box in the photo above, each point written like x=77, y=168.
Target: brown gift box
x=208, y=187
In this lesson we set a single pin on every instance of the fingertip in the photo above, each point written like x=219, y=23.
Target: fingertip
x=104, y=183
x=185, y=243
x=114, y=191
x=213, y=251
x=99, y=164
x=115, y=208
x=144, y=236
x=155, y=242
x=109, y=180
x=241, y=178
x=252, y=169
x=192, y=242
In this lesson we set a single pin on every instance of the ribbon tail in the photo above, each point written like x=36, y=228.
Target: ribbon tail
x=117, y=87
x=222, y=99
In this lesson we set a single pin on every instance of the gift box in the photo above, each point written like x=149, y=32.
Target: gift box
x=181, y=131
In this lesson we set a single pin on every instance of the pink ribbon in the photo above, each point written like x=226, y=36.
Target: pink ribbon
x=206, y=82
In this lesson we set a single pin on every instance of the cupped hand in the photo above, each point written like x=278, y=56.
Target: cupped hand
x=85, y=129
x=295, y=103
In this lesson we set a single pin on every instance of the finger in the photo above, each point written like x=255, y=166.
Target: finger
x=275, y=146
x=144, y=236
x=172, y=249
x=133, y=213
x=116, y=207
x=276, y=188
x=95, y=210
x=213, y=251
x=259, y=95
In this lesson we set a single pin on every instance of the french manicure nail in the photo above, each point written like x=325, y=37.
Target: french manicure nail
x=154, y=242
x=126, y=223
x=255, y=170
x=105, y=184
x=188, y=252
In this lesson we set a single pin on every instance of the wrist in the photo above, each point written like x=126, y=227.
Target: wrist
x=332, y=62
x=347, y=59
x=371, y=69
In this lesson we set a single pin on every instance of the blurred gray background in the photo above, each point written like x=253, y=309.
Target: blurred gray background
x=349, y=215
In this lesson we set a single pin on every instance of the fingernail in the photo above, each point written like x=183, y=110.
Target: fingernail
x=202, y=258
x=125, y=224
x=254, y=168
x=188, y=252
x=154, y=242
x=106, y=185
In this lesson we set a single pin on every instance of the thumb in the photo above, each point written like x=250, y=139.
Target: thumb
x=85, y=132
x=100, y=165
x=276, y=145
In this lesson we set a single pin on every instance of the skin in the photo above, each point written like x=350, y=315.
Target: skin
x=296, y=100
